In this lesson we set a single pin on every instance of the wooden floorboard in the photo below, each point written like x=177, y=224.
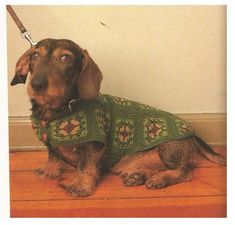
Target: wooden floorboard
x=214, y=206
x=32, y=196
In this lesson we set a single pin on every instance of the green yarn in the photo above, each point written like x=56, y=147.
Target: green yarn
x=124, y=126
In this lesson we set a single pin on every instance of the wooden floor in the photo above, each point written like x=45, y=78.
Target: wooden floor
x=32, y=196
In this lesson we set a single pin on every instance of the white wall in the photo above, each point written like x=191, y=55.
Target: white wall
x=171, y=57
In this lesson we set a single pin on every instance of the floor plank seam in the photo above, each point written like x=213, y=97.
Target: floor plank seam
x=120, y=198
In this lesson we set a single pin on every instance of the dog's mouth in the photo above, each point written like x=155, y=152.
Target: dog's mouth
x=49, y=99
x=48, y=102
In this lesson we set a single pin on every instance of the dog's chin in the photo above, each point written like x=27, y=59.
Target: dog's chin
x=46, y=100
x=48, y=103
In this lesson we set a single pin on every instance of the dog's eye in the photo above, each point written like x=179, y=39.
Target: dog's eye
x=65, y=58
x=35, y=55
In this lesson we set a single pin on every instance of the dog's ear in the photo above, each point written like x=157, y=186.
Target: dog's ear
x=89, y=79
x=22, y=68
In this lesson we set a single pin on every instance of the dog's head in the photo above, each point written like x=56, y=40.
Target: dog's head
x=59, y=70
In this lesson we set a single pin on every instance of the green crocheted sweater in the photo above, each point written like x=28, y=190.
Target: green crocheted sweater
x=124, y=126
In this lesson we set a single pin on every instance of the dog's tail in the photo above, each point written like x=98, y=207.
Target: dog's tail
x=209, y=153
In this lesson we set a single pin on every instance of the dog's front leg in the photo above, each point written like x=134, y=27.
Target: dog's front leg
x=83, y=181
x=53, y=167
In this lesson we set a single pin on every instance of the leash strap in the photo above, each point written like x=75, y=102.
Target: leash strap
x=25, y=33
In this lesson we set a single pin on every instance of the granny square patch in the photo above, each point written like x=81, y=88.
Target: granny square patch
x=124, y=133
x=69, y=128
x=182, y=126
x=154, y=129
x=102, y=120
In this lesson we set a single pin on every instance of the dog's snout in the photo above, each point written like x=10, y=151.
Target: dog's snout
x=39, y=83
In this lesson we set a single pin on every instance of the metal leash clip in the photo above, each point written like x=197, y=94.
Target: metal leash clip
x=26, y=35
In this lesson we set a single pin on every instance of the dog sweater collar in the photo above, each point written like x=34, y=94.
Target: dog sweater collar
x=124, y=126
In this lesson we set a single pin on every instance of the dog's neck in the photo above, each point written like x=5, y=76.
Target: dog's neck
x=45, y=114
x=40, y=112
x=50, y=114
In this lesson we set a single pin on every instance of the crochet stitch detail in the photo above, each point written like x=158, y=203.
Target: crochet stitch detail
x=124, y=126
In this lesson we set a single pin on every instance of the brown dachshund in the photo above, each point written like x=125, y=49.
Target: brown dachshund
x=64, y=79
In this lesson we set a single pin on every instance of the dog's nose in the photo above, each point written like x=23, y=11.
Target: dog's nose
x=39, y=83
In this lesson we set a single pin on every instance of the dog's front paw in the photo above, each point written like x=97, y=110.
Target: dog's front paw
x=52, y=169
x=79, y=185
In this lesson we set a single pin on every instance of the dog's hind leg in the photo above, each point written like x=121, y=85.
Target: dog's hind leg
x=166, y=164
x=167, y=177
x=135, y=169
x=179, y=158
